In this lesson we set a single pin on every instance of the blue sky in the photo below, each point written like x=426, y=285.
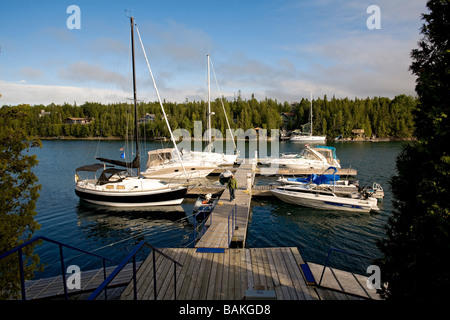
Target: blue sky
x=276, y=49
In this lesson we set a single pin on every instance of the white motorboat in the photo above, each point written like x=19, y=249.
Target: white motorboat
x=309, y=196
x=317, y=157
x=324, y=181
x=118, y=187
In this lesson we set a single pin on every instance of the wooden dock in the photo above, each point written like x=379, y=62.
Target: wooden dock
x=236, y=274
x=220, y=231
x=53, y=287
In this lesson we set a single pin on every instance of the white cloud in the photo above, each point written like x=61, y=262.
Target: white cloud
x=30, y=73
x=83, y=72
x=16, y=93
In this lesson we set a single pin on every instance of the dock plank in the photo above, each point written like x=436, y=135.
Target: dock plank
x=52, y=287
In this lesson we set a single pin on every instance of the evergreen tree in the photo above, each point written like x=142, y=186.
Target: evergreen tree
x=416, y=250
x=19, y=192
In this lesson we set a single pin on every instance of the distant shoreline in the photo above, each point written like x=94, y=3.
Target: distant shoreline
x=375, y=140
x=223, y=139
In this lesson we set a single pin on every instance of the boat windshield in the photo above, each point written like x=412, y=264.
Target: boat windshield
x=307, y=154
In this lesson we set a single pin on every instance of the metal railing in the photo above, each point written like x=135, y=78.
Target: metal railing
x=233, y=216
x=198, y=234
x=19, y=248
x=230, y=227
x=132, y=255
x=331, y=250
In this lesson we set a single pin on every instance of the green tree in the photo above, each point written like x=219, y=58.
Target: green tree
x=19, y=192
x=416, y=249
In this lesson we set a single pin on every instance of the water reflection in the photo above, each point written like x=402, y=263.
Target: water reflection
x=124, y=228
x=313, y=231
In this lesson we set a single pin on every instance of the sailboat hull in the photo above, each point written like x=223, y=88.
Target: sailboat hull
x=161, y=197
x=317, y=139
x=177, y=172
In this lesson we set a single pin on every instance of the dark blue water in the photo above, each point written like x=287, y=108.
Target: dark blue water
x=113, y=233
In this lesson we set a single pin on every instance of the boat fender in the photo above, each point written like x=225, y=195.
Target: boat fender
x=77, y=178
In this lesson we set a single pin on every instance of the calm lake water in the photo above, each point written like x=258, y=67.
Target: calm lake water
x=113, y=233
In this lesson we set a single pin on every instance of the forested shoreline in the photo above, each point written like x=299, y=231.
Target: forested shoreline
x=379, y=117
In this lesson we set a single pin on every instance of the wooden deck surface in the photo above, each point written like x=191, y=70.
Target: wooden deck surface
x=53, y=286
x=228, y=276
x=234, y=274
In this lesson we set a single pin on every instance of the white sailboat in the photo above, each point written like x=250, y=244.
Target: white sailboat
x=163, y=163
x=308, y=137
x=119, y=187
x=220, y=159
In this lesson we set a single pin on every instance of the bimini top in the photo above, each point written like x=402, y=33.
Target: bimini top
x=333, y=150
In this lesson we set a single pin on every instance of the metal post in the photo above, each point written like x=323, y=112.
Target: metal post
x=326, y=263
x=104, y=277
x=228, y=228
x=134, y=278
x=63, y=271
x=154, y=272
x=235, y=216
x=175, y=279
x=22, y=280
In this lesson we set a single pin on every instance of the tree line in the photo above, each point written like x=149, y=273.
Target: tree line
x=378, y=116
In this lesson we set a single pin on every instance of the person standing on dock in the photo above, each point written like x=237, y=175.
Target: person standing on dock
x=232, y=185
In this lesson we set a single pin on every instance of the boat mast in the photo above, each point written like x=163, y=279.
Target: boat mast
x=136, y=137
x=311, y=120
x=209, y=109
x=136, y=163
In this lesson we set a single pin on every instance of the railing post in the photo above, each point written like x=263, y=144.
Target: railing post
x=342, y=251
x=326, y=263
x=104, y=277
x=63, y=271
x=134, y=278
x=154, y=272
x=235, y=217
x=22, y=277
x=175, y=280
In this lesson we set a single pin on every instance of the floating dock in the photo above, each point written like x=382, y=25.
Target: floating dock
x=265, y=170
x=221, y=229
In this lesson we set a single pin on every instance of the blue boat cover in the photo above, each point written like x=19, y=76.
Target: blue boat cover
x=317, y=179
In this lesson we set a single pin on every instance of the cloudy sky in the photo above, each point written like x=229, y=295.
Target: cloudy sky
x=270, y=48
